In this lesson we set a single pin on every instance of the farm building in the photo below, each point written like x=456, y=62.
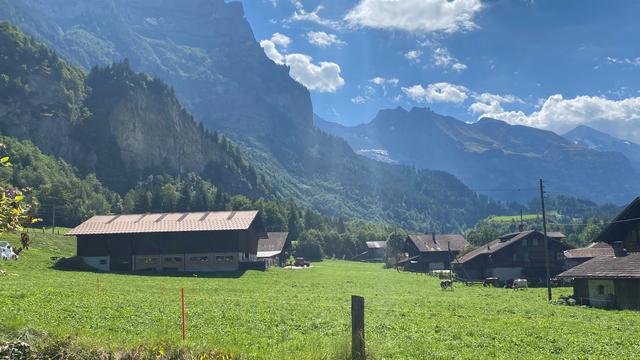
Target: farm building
x=610, y=281
x=375, y=250
x=275, y=249
x=515, y=255
x=574, y=257
x=611, y=278
x=203, y=241
x=432, y=252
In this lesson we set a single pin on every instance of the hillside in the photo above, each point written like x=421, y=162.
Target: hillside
x=114, y=122
x=207, y=52
x=492, y=154
x=597, y=140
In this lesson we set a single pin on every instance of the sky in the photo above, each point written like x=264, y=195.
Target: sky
x=548, y=64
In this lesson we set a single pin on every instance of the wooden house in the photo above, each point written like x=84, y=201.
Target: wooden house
x=203, y=241
x=432, y=252
x=574, y=257
x=611, y=278
x=275, y=249
x=375, y=250
x=514, y=255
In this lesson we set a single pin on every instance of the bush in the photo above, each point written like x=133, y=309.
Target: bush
x=310, y=251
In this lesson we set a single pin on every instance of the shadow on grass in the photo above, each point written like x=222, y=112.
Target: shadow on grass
x=75, y=264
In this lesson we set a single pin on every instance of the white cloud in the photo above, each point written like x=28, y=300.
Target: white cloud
x=443, y=58
x=359, y=100
x=301, y=14
x=625, y=61
x=421, y=16
x=487, y=103
x=322, y=77
x=413, y=55
x=438, y=92
x=322, y=39
x=281, y=40
x=382, y=81
x=618, y=117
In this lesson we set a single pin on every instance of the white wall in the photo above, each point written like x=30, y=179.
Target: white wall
x=97, y=262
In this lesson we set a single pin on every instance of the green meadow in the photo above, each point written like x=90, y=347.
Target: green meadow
x=298, y=314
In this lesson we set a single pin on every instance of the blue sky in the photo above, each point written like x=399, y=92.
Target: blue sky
x=550, y=64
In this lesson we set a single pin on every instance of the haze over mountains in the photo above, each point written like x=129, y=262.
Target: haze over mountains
x=206, y=51
x=493, y=156
x=597, y=140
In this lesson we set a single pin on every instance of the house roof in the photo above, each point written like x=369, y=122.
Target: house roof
x=503, y=242
x=169, y=222
x=591, y=251
x=438, y=242
x=631, y=212
x=607, y=267
x=275, y=242
x=376, y=244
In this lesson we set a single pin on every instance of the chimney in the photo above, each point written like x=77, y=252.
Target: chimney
x=433, y=237
x=618, y=249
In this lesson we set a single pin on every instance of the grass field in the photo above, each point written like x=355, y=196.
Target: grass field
x=299, y=314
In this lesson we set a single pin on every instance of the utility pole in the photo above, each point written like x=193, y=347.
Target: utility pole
x=450, y=264
x=53, y=222
x=546, y=242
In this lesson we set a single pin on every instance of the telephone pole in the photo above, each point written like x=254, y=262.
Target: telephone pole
x=546, y=242
x=53, y=221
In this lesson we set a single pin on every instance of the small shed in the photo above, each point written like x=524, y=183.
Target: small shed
x=609, y=281
x=515, y=255
x=375, y=250
x=432, y=251
x=275, y=249
x=196, y=241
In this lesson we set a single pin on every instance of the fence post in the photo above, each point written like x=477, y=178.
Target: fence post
x=357, y=328
x=184, y=326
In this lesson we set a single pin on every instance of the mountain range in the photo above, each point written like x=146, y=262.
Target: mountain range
x=206, y=52
x=597, y=140
x=493, y=157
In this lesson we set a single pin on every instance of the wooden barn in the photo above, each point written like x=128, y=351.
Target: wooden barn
x=515, y=255
x=203, y=241
x=275, y=249
x=432, y=252
x=610, y=281
x=375, y=250
x=574, y=257
x=611, y=278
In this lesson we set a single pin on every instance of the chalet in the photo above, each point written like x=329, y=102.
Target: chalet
x=611, y=278
x=515, y=255
x=375, y=250
x=275, y=249
x=203, y=241
x=432, y=252
x=574, y=257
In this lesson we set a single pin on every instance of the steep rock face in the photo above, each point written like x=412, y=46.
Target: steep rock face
x=492, y=154
x=117, y=123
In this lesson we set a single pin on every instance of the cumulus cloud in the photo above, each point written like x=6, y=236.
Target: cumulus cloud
x=322, y=39
x=300, y=14
x=422, y=16
x=413, y=55
x=443, y=58
x=487, y=103
x=382, y=81
x=438, y=92
x=618, y=117
x=322, y=77
x=359, y=100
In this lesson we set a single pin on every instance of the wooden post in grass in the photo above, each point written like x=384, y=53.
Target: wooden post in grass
x=357, y=328
x=184, y=326
x=98, y=286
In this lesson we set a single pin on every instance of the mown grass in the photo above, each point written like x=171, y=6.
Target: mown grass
x=300, y=314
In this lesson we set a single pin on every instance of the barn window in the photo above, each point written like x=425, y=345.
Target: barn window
x=204, y=258
x=177, y=259
x=600, y=289
x=219, y=258
x=229, y=258
x=103, y=262
x=193, y=258
x=167, y=259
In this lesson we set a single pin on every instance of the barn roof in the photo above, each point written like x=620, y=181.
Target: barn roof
x=626, y=219
x=607, y=267
x=591, y=251
x=169, y=222
x=275, y=242
x=438, y=242
x=376, y=244
x=503, y=242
